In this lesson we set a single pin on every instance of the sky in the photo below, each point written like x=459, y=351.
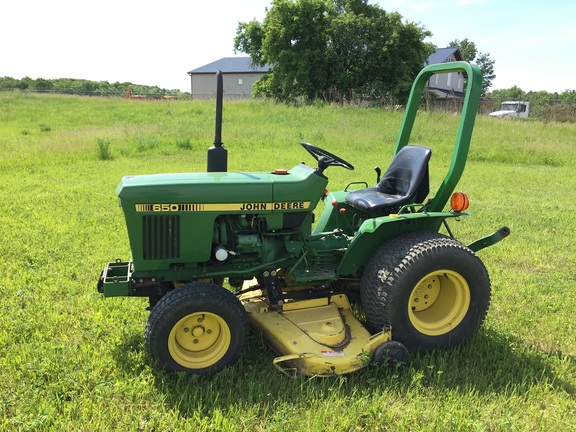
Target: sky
x=532, y=42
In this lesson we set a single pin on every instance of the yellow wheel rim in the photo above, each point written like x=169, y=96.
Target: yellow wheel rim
x=199, y=340
x=439, y=302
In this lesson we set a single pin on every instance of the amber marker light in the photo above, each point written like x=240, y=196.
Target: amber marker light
x=459, y=201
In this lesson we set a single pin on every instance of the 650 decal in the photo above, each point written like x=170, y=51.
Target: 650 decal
x=165, y=208
x=168, y=207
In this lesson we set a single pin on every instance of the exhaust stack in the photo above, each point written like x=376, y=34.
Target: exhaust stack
x=217, y=154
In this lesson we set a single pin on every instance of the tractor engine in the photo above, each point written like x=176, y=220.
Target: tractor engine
x=240, y=236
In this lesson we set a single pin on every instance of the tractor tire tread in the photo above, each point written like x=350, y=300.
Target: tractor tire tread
x=383, y=287
x=175, y=304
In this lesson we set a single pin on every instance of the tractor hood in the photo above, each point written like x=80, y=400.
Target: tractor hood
x=194, y=187
x=157, y=206
x=297, y=189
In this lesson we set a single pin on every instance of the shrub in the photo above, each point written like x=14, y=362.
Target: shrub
x=103, y=146
x=183, y=143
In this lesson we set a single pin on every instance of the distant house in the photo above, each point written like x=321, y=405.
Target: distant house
x=238, y=76
x=447, y=85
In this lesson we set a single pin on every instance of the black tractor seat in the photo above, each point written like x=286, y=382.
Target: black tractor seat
x=405, y=181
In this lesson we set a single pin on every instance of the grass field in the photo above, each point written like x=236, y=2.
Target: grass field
x=72, y=360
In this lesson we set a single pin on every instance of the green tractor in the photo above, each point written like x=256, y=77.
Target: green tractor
x=295, y=280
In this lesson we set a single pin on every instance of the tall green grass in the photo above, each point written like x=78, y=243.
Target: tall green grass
x=72, y=360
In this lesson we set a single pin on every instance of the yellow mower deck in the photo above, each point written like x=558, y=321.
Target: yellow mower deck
x=319, y=337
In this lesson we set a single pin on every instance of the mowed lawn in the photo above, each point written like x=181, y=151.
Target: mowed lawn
x=72, y=360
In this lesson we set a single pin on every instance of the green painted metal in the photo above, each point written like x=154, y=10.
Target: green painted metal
x=185, y=207
x=331, y=219
x=116, y=279
x=465, y=128
x=373, y=232
x=490, y=240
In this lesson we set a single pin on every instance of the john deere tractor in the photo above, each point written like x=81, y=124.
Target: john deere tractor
x=218, y=252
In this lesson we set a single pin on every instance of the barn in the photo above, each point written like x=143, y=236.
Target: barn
x=238, y=76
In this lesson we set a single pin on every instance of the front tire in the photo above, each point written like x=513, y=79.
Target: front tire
x=199, y=328
x=432, y=290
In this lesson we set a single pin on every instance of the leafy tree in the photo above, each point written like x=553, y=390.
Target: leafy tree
x=8, y=83
x=486, y=65
x=25, y=83
x=467, y=49
x=42, y=84
x=513, y=93
x=471, y=54
x=333, y=50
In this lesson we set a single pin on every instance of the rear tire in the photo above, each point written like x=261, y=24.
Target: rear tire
x=199, y=328
x=432, y=290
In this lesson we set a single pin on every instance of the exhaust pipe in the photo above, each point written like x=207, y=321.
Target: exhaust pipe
x=217, y=154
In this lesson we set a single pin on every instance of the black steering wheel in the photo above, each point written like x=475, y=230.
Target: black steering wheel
x=325, y=158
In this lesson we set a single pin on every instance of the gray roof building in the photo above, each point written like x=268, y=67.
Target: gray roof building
x=447, y=85
x=238, y=76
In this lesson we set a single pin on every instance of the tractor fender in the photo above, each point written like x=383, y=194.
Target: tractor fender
x=374, y=231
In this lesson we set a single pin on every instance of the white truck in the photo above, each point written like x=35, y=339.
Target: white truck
x=512, y=109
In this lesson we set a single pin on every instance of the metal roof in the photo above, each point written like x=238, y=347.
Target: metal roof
x=231, y=65
x=442, y=54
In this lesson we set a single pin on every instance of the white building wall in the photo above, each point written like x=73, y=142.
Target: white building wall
x=448, y=81
x=236, y=85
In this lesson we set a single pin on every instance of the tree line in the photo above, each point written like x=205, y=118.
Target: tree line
x=546, y=106
x=84, y=87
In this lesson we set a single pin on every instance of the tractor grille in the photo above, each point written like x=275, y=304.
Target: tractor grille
x=161, y=237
